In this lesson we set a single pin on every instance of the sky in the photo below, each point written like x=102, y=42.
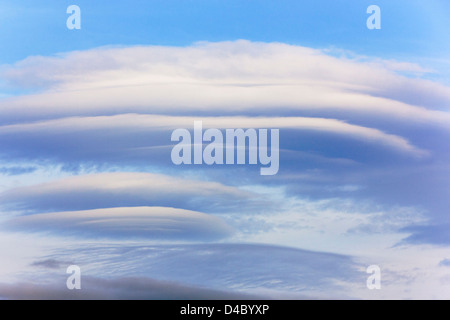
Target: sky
x=87, y=179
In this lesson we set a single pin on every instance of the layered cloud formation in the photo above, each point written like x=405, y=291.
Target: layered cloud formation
x=227, y=77
x=363, y=159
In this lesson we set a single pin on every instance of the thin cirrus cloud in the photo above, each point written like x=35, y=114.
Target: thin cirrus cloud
x=130, y=223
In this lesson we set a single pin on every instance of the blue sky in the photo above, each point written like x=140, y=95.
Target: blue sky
x=407, y=28
x=86, y=176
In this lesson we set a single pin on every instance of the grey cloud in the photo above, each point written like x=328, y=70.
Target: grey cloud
x=50, y=264
x=145, y=140
x=126, y=189
x=130, y=223
x=244, y=267
x=131, y=288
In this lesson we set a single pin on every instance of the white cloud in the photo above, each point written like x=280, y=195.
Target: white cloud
x=225, y=77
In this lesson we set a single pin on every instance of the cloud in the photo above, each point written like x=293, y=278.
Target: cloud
x=429, y=234
x=445, y=263
x=127, y=223
x=325, y=223
x=125, y=189
x=350, y=120
x=116, y=289
x=253, y=269
x=49, y=264
x=17, y=170
x=223, y=78
x=352, y=129
x=131, y=138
